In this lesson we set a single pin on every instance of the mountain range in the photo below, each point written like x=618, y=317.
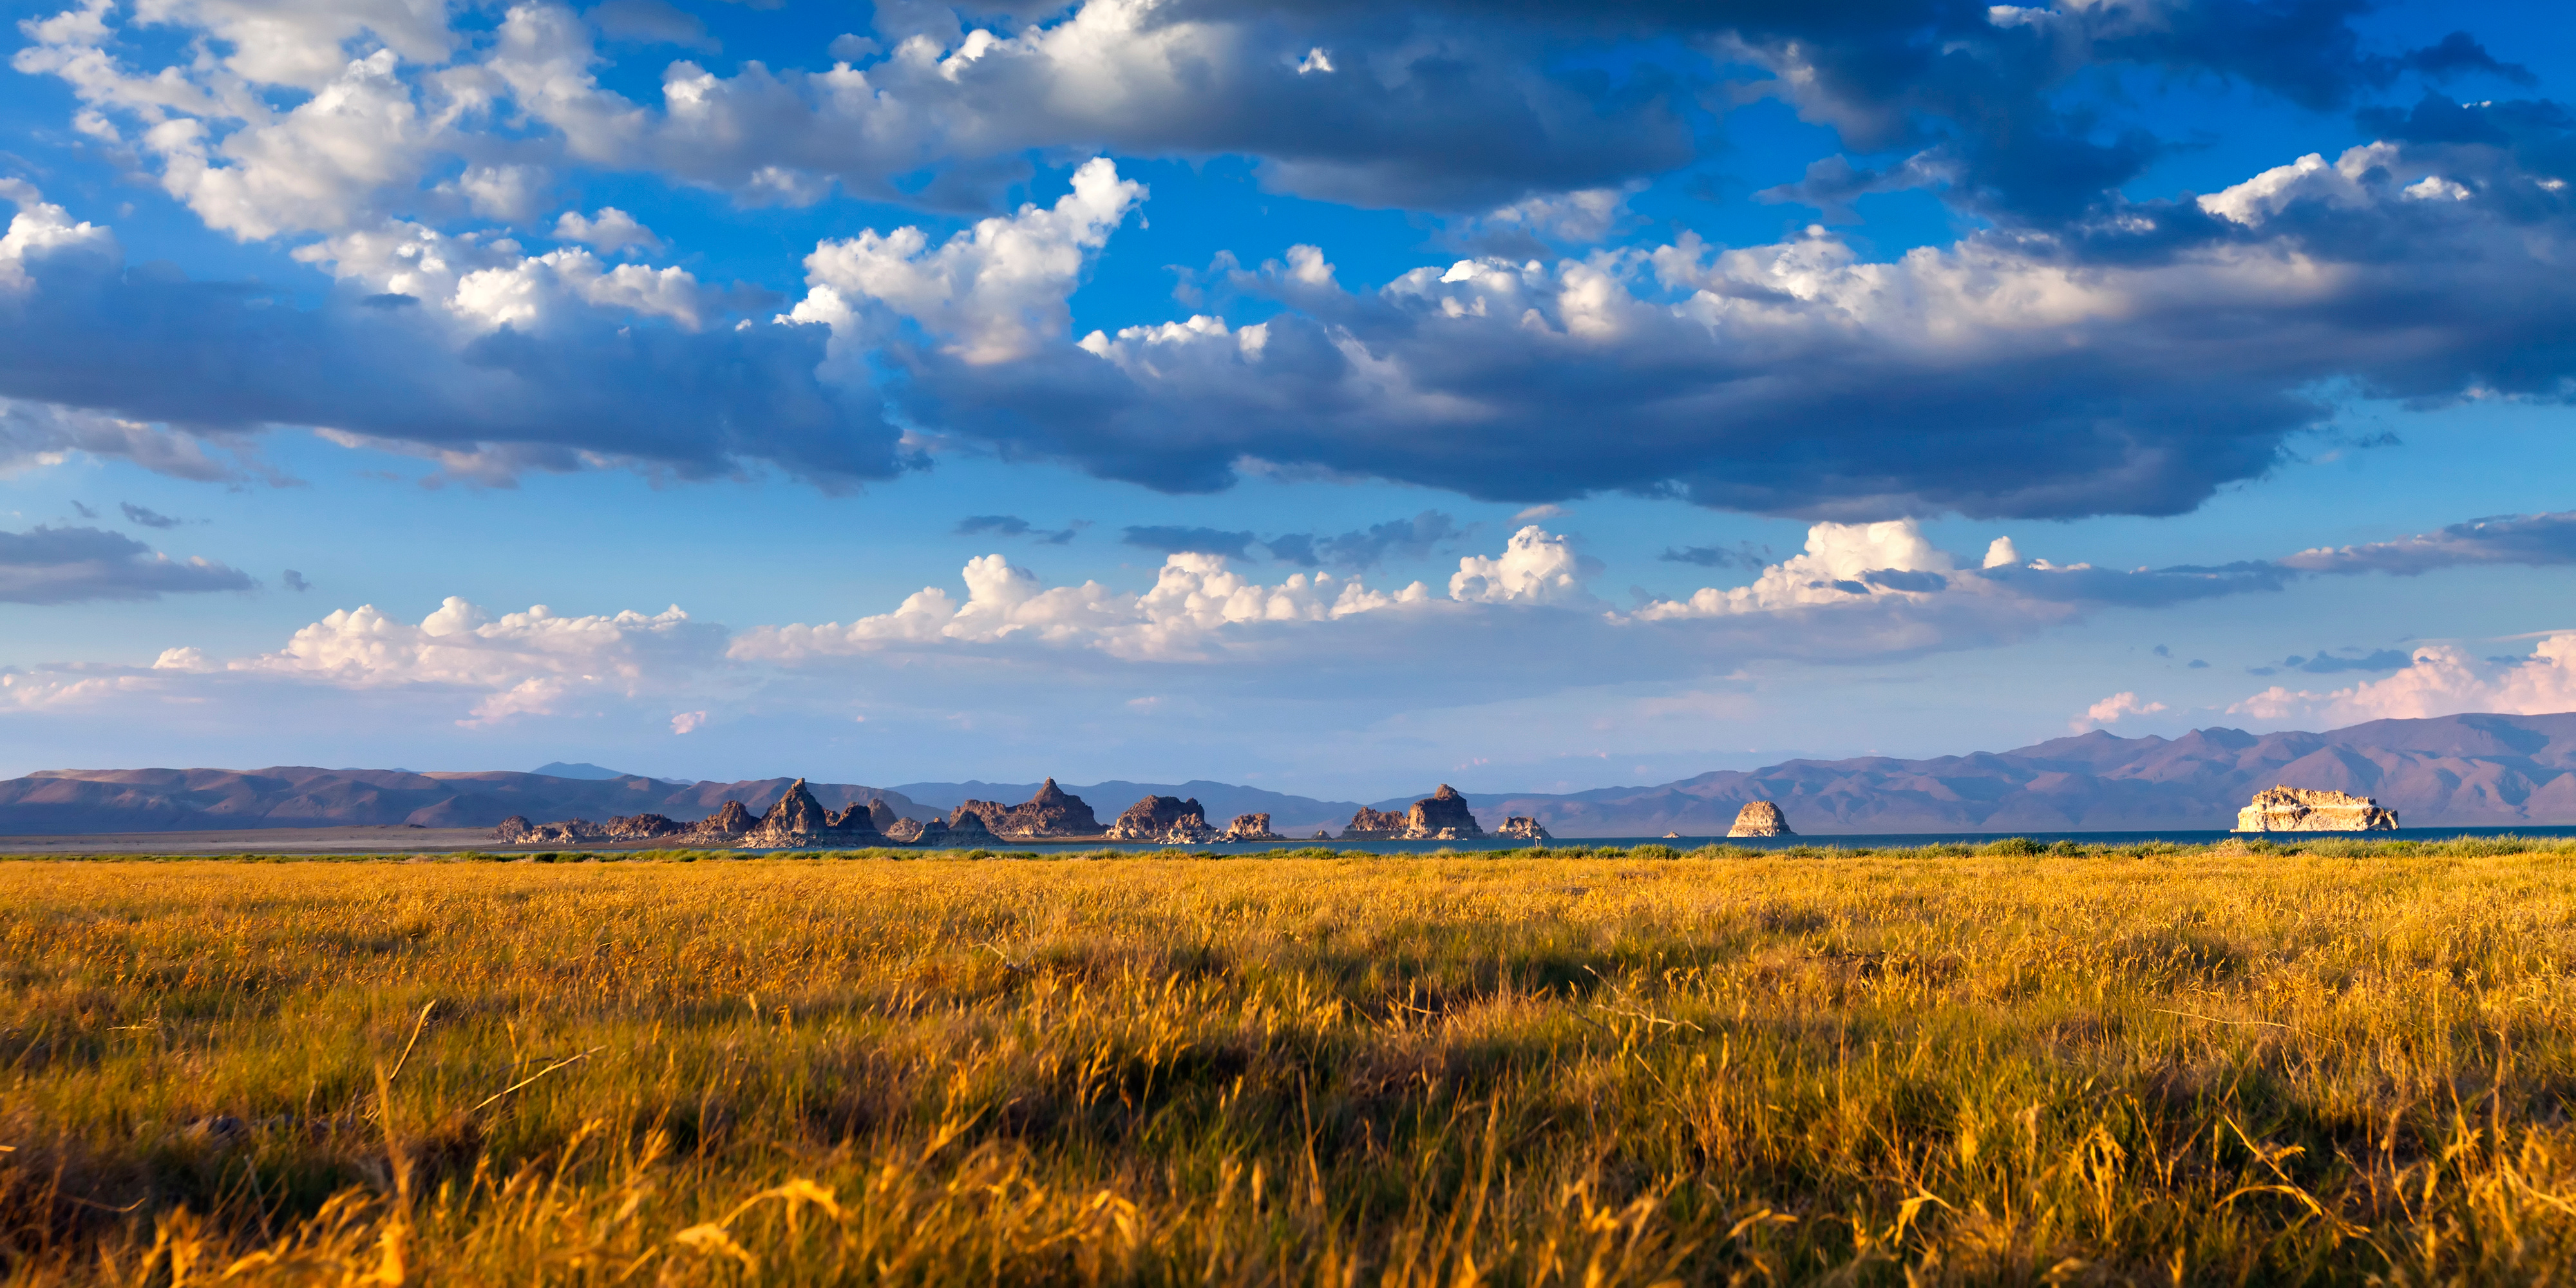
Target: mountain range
x=2452, y=771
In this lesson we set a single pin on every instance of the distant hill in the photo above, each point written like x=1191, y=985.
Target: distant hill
x=2455, y=771
x=71, y=801
x=575, y=769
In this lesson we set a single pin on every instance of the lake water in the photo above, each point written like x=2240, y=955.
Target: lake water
x=1850, y=842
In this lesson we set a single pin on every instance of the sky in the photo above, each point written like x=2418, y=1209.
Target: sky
x=1328, y=397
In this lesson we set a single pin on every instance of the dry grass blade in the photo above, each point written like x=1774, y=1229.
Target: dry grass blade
x=485, y=1102
x=417, y=1026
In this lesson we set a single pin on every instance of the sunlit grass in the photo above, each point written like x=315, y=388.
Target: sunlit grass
x=2337, y=1062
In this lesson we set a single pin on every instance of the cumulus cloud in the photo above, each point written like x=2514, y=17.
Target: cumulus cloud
x=452, y=348
x=2440, y=680
x=1194, y=596
x=992, y=293
x=1536, y=567
x=610, y=230
x=1426, y=106
x=529, y=663
x=145, y=518
x=2133, y=364
x=2112, y=709
x=2087, y=354
x=70, y=565
x=498, y=667
x=1859, y=591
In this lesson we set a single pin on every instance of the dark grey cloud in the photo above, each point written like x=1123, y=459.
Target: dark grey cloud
x=1366, y=547
x=2173, y=364
x=294, y=581
x=1985, y=102
x=143, y=518
x=1463, y=106
x=2327, y=663
x=1172, y=539
x=47, y=565
x=2142, y=588
x=2197, y=665
x=650, y=22
x=83, y=511
x=30, y=430
x=137, y=355
x=2161, y=651
x=2528, y=539
x=1744, y=554
x=1012, y=525
x=1408, y=107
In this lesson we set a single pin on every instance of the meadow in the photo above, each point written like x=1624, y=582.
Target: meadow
x=2339, y=1061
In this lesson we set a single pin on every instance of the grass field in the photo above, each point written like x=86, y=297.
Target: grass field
x=2339, y=1062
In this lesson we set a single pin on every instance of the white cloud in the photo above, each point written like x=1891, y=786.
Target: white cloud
x=1536, y=567
x=527, y=663
x=994, y=292
x=318, y=167
x=2110, y=710
x=2442, y=680
x=39, y=229
x=1194, y=598
x=485, y=285
x=1583, y=217
x=689, y=722
x=610, y=230
x=1837, y=568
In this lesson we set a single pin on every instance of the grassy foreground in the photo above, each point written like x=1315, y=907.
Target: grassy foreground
x=2347, y=1063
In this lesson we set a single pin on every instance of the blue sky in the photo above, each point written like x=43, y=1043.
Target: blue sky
x=1337, y=398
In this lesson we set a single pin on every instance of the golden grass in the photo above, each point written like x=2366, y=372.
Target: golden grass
x=1592, y=1067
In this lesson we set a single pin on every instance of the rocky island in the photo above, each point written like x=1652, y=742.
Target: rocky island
x=1760, y=818
x=1165, y=819
x=1250, y=827
x=2293, y=809
x=798, y=821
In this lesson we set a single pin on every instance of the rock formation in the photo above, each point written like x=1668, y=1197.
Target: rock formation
x=1442, y=816
x=1250, y=827
x=1374, y=824
x=1051, y=813
x=2292, y=809
x=798, y=821
x=1168, y=820
x=912, y=829
x=1522, y=829
x=883, y=815
x=1760, y=818
x=517, y=830
x=731, y=821
x=965, y=827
